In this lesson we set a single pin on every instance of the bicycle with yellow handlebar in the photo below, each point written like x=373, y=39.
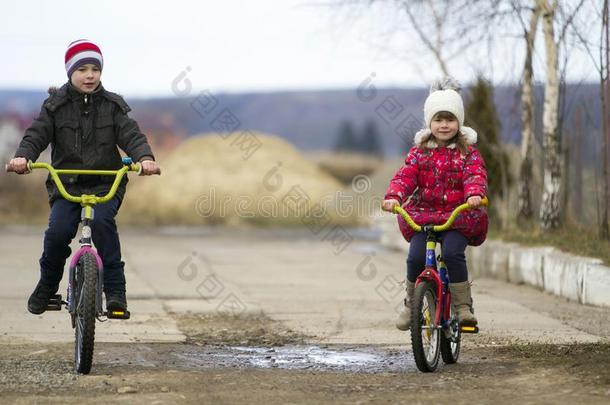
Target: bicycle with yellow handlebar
x=85, y=283
x=434, y=325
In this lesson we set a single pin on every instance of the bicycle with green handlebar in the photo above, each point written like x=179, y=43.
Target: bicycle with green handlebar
x=434, y=325
x=84, y=299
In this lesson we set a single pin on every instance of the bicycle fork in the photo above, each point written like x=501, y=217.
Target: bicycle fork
x=87, y=215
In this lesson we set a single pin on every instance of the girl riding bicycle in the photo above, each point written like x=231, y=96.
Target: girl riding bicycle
x=440, y=172
x=84, y=123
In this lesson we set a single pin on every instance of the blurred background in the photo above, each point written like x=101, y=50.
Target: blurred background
x=298, y=113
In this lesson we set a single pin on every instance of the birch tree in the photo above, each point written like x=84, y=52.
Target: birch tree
x=525, y=211
x=549, y=208
x=550, y=217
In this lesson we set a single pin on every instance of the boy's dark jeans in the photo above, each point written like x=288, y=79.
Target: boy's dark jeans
x=453, y=246
x=63, y=225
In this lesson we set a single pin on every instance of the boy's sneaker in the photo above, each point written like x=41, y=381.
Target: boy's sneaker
x=116, y=301
x=39, y=300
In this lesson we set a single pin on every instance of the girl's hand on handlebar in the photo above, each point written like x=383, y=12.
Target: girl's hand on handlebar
x=474, y=201
x=18, y=165
x=149, y=167
x=388, y=205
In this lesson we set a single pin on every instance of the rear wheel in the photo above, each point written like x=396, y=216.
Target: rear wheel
x=425, y=336
x=451, y=339
x=85, y=286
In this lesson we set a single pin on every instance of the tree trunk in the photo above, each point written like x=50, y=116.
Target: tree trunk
x=550, y=206
x=525, y=212
x=604, y=232
x=577, y=167
x=605, y=60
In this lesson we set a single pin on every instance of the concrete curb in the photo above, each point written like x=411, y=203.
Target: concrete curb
x=581, y=279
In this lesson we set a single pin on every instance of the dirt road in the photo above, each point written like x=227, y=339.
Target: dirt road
x=261, y=316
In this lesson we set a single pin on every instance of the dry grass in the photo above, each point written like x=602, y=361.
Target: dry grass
x=24, y=199
x=576, y=239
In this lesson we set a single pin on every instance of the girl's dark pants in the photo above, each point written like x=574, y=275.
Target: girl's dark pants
x=63, y=225
x=453, y=246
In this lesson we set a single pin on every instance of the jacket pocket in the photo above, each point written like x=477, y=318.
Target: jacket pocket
x=66, y=138
x=104, y=132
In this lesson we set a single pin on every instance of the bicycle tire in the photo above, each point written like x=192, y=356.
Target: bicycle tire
x=85, y=292
x=425, y=342
x=449, y=353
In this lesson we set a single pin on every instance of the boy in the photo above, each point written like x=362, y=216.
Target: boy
x=84, y=123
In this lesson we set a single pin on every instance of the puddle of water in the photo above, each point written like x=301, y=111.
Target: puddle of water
x=301, y=357
x=306, y=355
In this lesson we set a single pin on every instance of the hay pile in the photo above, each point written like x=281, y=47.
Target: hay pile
x=345, y=166
x=224, y=180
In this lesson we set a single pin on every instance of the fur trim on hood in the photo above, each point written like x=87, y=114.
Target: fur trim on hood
x=423, y=134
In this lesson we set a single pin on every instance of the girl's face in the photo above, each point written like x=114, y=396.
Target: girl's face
x=86, y=78
x=444, y=127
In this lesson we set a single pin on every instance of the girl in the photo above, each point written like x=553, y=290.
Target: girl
x=84, y=123
x=441, y=171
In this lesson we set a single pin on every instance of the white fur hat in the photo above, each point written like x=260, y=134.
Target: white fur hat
x=444, y=96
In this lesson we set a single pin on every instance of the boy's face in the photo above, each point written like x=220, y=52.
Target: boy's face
x=86, y=78
x=444, y=128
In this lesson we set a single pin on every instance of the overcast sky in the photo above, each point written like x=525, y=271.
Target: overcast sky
x=229, y=45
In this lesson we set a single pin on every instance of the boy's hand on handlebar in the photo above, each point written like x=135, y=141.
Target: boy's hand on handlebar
x=474, y=201
x=18, y=165
x=388, y=205
x=149, y=167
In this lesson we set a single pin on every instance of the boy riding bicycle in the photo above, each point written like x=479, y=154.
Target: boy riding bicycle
x=84, y=123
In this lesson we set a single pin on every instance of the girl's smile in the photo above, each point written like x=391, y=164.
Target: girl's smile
x=444, y=129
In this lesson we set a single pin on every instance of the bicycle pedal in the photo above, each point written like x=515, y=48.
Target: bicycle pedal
x=469, y=329
x=55, y=303
x=118, y=314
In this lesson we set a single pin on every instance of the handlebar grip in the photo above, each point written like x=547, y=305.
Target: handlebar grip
x=139, y=171
x=11, y=169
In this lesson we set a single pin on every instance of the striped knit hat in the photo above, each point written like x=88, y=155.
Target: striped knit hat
x=80, y=53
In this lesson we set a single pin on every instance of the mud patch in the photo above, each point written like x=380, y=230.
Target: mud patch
x=590, y=361
x=168, y=373
x=221, y=329
x=224, y=341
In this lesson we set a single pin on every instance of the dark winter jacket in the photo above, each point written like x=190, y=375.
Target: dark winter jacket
x=437, y=180
x=84, y=131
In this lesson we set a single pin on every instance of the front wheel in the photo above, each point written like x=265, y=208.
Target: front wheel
x=85, y=289
x=425, y=335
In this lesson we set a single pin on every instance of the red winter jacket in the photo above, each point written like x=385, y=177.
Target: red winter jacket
x=438, y=179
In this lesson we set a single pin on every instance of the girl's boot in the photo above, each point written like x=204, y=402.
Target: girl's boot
x=462, y=302
x=404, y=318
